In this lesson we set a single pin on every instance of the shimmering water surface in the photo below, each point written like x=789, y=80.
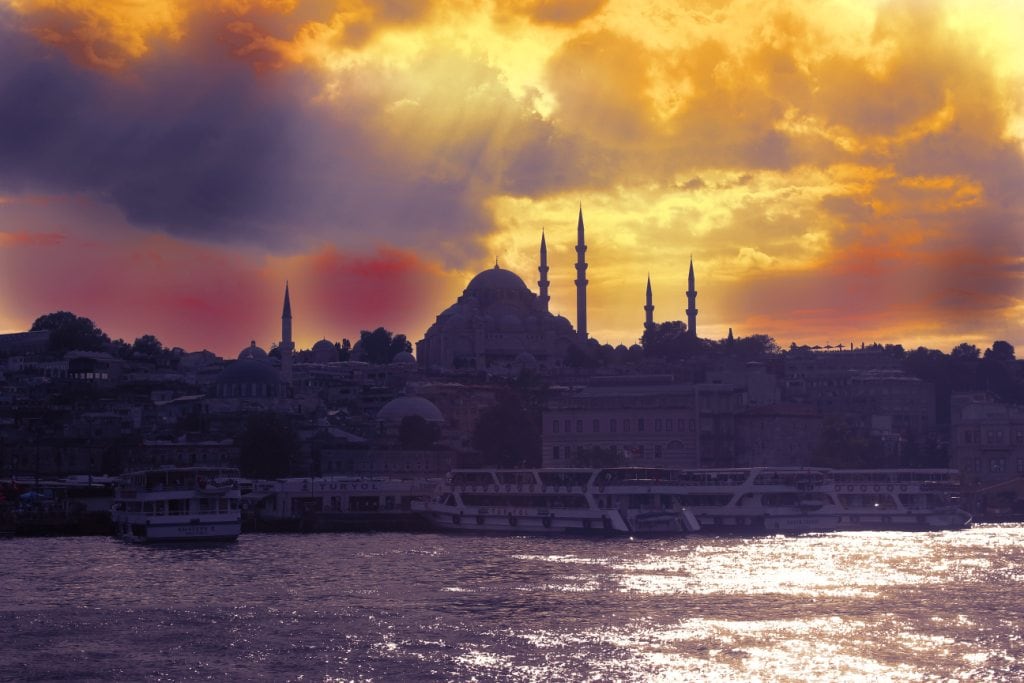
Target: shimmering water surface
x=848, y=606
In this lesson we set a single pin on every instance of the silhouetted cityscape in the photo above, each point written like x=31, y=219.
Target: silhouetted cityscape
x=499, y=381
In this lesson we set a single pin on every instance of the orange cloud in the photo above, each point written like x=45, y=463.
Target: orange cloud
x=849, y=161
x=30, y=239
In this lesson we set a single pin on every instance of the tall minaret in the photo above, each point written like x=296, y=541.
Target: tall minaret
x=691, y=298
x=287, y=346
x=581, y=279
x=649, y=308
x=543, y=281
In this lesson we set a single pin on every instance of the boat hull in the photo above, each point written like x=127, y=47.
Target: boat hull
x=192, y=531
x=571, y=523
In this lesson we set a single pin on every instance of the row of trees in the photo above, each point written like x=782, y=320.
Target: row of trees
x=70, y=332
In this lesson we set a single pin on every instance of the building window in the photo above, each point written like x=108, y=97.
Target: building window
x=991, y=436
x=640, y=424
x=597, y=426
x=554, y=426
x=613, y=425
x=693, y=425
x=1020, y=436
x=680, y=425
x=1020, y=465
x=625, y=425
x=554, y=452
x=568, y=427
x=657, y=450
x=997, y=465
x=967, y=436
x=657, y=424
x=579, y=426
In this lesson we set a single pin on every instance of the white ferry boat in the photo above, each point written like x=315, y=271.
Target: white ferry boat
x=334, y=504
x=796, y=500
x=736, y=500
x=911, y=499
x=556, y=501
x=748, y=500
x=178, y=504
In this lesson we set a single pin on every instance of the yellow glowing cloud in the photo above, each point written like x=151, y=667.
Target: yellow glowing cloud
x=775, y=141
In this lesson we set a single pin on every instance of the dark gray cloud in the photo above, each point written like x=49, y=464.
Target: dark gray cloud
x=194, y=148
x=204, y=146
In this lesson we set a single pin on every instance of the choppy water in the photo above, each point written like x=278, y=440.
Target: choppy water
x=853, y=606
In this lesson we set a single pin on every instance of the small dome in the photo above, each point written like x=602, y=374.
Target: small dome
x=324, y=351
x=248, y=371
x=495, y=279
x=409, y=406
x=252, y=352
x=404, y=358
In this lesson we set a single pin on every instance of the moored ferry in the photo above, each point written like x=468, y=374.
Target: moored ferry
x=638, y=500
x=910, y=499
x=754, y=499
x=334, y=504
x=557, y=501
x=178, y=504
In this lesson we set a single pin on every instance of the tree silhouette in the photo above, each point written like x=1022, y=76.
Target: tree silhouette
x=381, y=346
x=508, y=434
x=267, y=446
x=842, y=447
x=69, y=332
x=1001, y=351
x=668, y=340
x=147, y=346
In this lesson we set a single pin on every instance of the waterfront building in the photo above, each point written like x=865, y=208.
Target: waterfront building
x=777, y=435
x=183, y=452
x=987, y=446
x=641, y=421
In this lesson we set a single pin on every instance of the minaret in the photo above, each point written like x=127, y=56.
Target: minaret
x=649, y=308
x=543, y=281
x=581, y=279
x=691, y=298
x=287, y=346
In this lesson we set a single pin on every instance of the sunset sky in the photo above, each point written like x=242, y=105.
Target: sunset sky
x=840, y=171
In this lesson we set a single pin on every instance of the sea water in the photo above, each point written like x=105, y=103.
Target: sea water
x=859, y=606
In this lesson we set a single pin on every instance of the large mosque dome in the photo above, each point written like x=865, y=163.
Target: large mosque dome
x=496, y=279
x=492, y=325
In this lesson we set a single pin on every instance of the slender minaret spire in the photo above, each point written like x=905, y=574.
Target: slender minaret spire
x=649, y=308
x=581, y=279
x=287, y=346
x=691, y=298
x=543, y=281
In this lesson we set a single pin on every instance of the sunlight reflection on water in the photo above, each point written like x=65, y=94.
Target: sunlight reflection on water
x=850, y=606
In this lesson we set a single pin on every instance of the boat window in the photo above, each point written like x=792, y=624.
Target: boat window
x=516, y=477
x=556, y=478
x=467, y=478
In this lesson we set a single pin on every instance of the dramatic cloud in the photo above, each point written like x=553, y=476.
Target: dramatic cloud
x=132, y=282
x=838, y=171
